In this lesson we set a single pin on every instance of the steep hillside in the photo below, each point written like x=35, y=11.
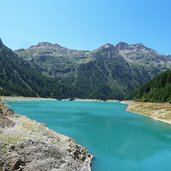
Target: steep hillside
x=17, y=77
x=157, y=90
x=107, y=76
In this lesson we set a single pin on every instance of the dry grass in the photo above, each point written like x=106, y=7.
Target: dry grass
x=159, y=111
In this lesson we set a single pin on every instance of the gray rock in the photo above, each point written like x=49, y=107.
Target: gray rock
x=30, y=146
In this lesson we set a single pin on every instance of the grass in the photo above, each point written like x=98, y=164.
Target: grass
x=154, y=110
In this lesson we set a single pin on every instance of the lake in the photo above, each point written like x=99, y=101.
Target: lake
x=119, y=140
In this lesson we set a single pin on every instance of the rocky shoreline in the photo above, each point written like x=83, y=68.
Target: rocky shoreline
x=26, y=145
x=21, y=98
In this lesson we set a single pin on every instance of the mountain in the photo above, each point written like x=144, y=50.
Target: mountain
x=140, y=54
x=52, y=59
x=156, y=90
x=57, y=61
x=109, y=72
x=17, y=77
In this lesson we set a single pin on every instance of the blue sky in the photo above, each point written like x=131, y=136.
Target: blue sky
x=86, y=24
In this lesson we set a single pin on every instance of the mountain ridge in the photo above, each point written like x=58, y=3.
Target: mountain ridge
x=122, y=47
x=113, y=69
x=121, y=43
x=108, y=72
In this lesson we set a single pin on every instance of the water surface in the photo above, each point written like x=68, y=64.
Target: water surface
x=120, y=141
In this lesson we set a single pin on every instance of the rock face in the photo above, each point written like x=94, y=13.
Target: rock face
x=30, y=146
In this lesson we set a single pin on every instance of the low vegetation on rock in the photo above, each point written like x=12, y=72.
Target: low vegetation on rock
x=27, y=145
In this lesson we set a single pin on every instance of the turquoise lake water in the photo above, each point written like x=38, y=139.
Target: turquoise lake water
x=120, y=141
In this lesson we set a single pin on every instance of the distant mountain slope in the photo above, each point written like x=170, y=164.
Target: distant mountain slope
x=140, y=56
x=52, y=59
x=157, y=90
x=17, y=77
x=109, y=72
x=107, y=76
x=56, y=61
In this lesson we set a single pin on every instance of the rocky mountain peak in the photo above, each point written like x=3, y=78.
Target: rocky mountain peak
x=139, y=46
x=46, y=45
x=1, y=43
x=125, y=46
x=107, y=46
x=122, y=45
